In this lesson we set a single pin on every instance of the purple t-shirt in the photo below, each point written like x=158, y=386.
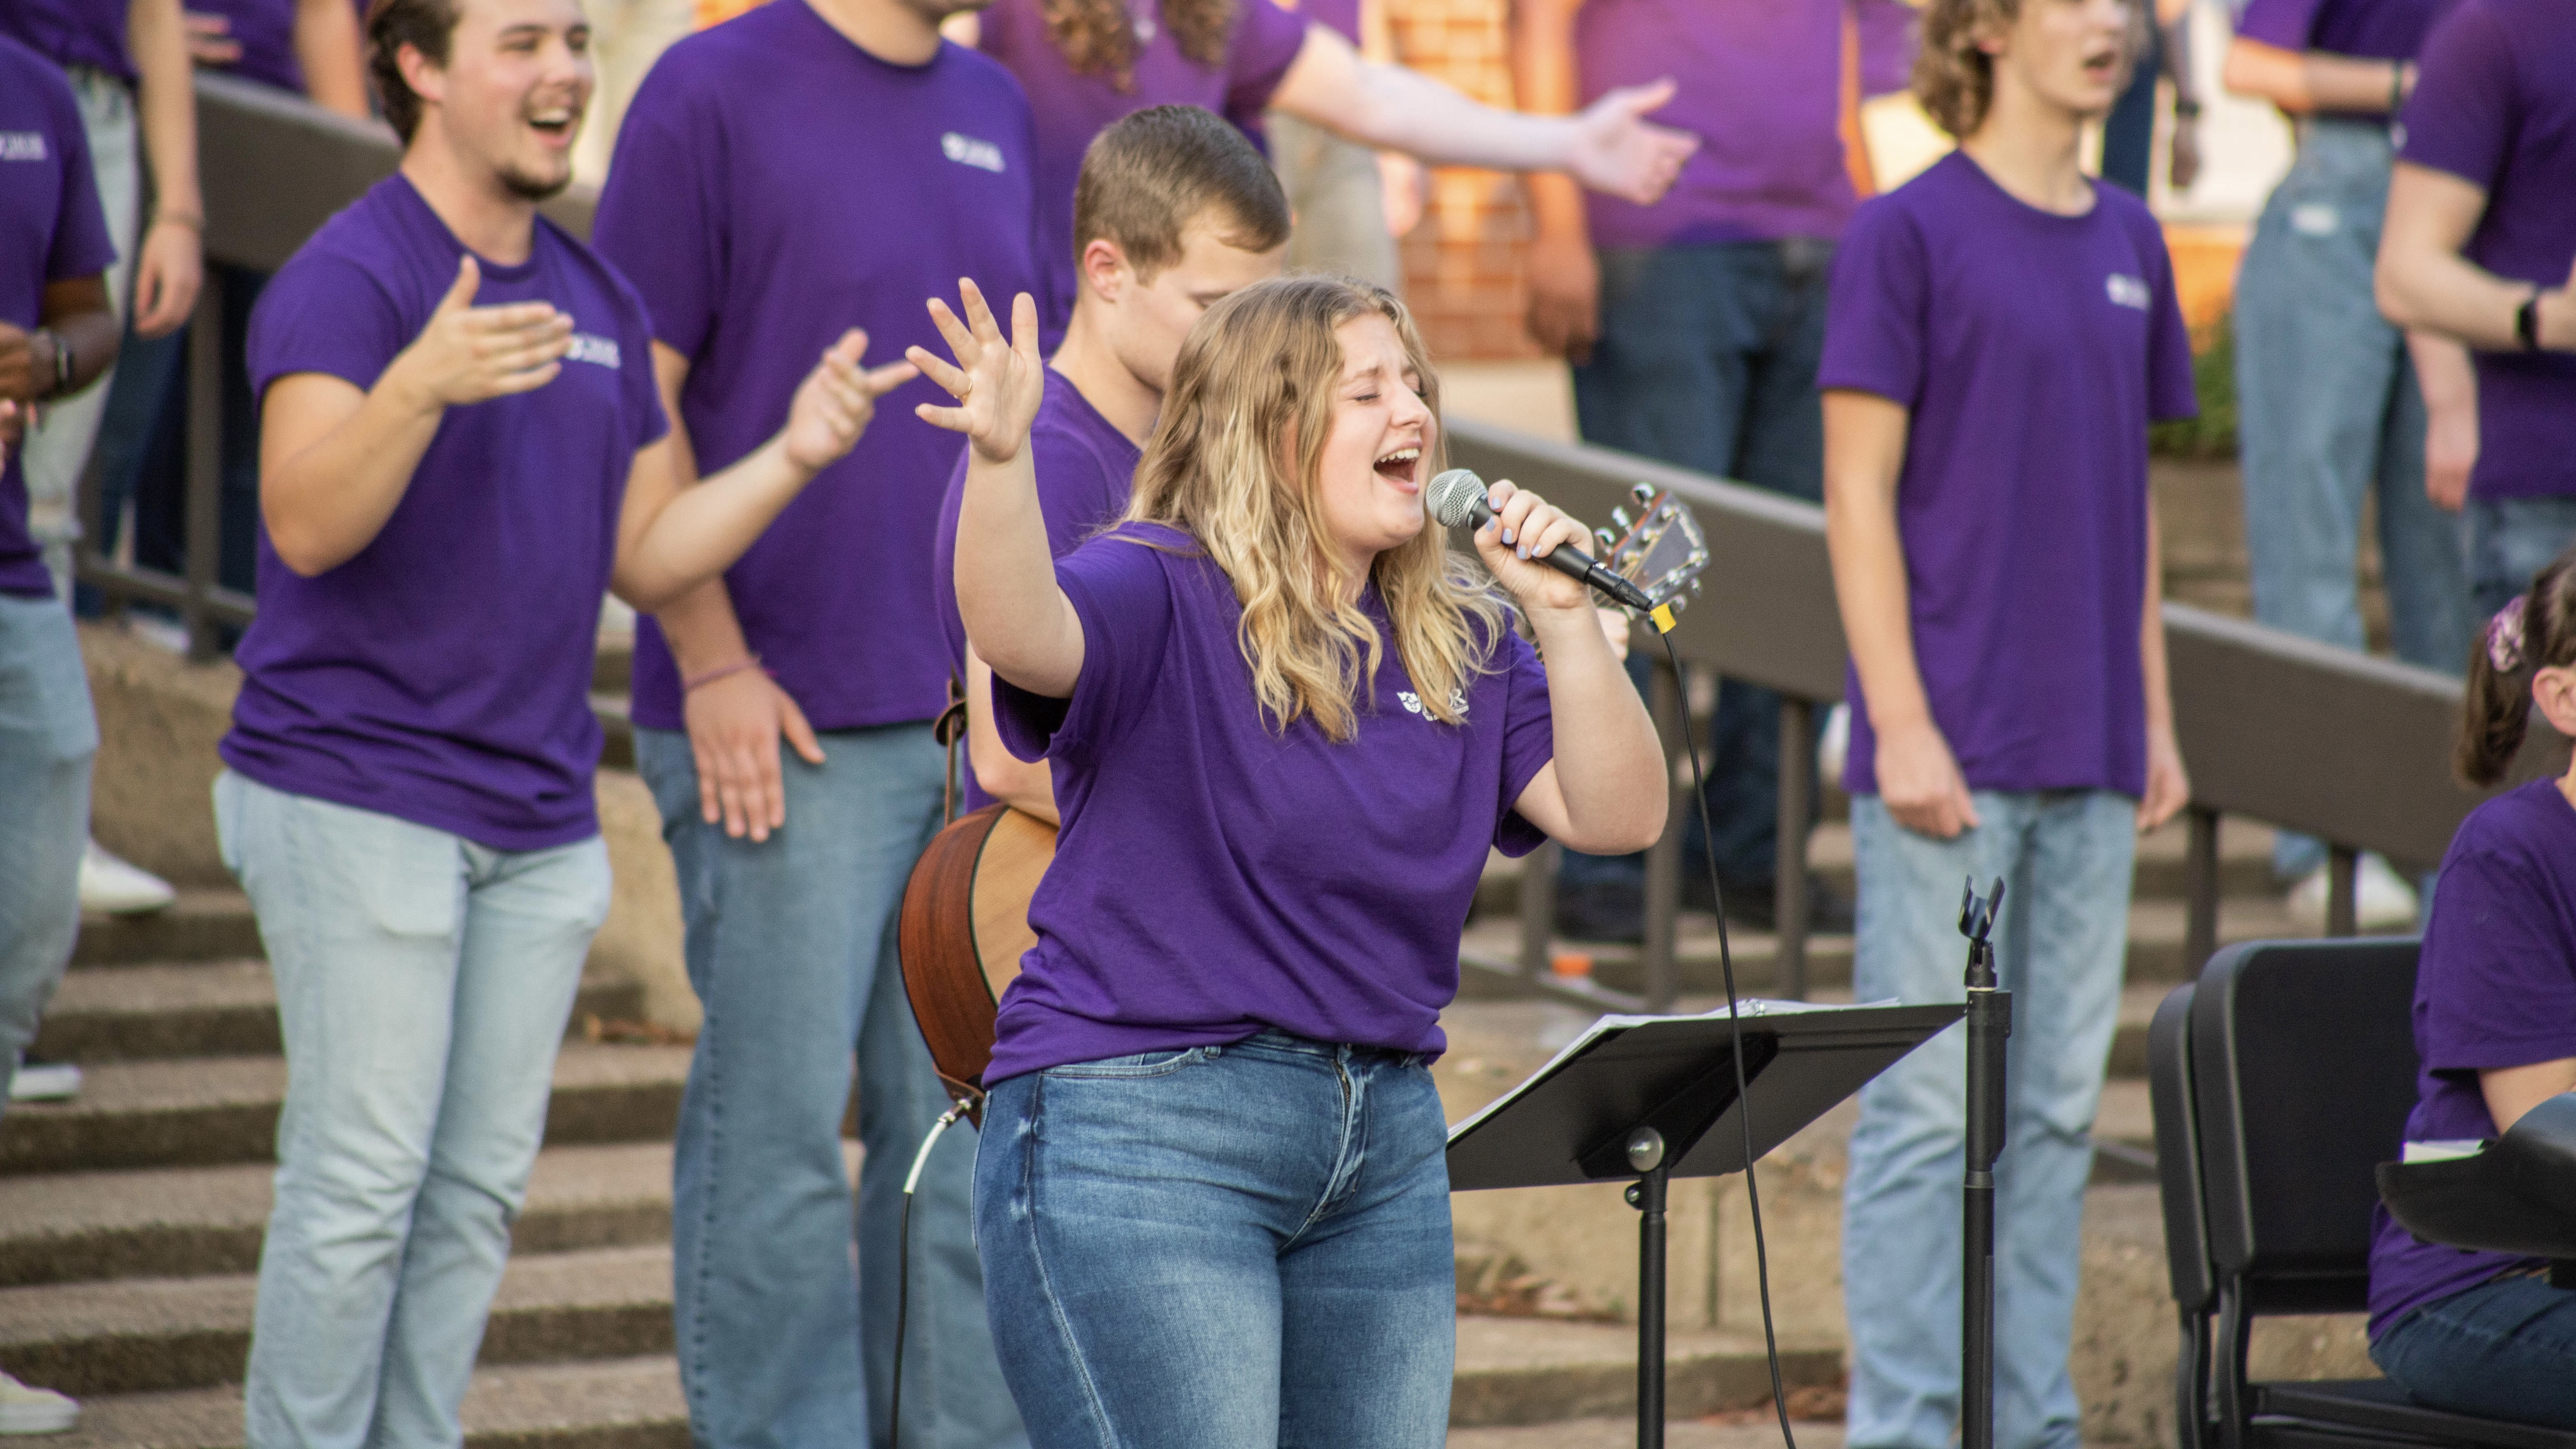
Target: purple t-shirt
x=51, y=229
x=442, y=675
x=1085, y=468
x=1760, y=85
x=2496, y=107
x=265, y=31
x=2495, y=987
x=775, y=185
x=2032, y=350
x=2368, y=29
x=1073, y=107
x=1890, y=36
x=72, y=32
x=1342, y=17
x=1216, y=877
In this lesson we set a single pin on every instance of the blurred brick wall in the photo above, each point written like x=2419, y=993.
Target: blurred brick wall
x=1463, y=265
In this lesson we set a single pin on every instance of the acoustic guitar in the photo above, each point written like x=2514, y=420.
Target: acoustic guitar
x=965, y=921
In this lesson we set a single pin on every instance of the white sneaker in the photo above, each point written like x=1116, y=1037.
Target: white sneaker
x=43, y=1081
x=111, y=885
x=1834, y=750
x=26, y=1410
x=2383, y=900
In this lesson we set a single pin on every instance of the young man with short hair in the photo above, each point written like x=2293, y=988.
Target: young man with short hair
x=2003, y=330
x=2479, y=246
x=1174, y=210
x=807, y=161
x=462, y=447
x=56, y=335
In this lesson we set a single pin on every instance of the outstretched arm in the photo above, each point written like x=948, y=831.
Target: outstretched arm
x=1609, y=147
x=1016, y=615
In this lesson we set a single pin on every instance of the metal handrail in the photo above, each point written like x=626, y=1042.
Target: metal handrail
x=2309, y=737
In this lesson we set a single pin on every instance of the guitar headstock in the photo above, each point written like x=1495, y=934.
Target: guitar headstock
x=1661, y=550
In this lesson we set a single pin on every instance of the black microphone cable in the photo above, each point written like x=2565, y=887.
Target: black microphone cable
x=903, y=1265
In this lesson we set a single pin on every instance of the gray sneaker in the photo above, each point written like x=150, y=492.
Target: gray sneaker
x=28, y=1410
x=38, y=1080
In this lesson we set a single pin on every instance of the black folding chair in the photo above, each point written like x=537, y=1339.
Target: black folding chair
x=2280, y=1081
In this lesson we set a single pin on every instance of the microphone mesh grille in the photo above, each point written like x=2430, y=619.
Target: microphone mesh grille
x=1453, y=496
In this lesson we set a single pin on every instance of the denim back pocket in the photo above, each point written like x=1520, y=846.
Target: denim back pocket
x=1140, y=1064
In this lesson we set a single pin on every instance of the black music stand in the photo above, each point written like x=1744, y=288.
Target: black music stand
x=1653, y=1098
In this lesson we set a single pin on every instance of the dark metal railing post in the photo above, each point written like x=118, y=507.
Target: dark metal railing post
x=1789, y=857
x=1538, y=910
x=1664, y=857
x=2200, y=882
x=205, y=464
x=2343, y=867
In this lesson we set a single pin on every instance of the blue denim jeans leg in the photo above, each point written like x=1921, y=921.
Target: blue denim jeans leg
x=48, y=738
x=791, y=946
x=2065, y=857
x=2330, y=416
x=423, y=983
x=2510, y=540
x=2501, y=1350
x=1243, y=1245
x=1707, y=359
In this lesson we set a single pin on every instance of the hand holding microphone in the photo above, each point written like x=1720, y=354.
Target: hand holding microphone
x=1459, y=496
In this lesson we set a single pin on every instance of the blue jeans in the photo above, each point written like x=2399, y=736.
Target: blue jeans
x=423, y=983
x=2329, y=414
x=2510, y=540
x=2065, y=857
x=1242, y=1245
x=47, y=739
x=2501, y=1350
x=791, y=947
x=1707, y=359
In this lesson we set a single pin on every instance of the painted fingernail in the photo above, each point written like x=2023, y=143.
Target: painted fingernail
x=1525, y=553
x=1507, y=535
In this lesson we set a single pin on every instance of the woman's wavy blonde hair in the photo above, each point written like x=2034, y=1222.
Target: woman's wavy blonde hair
x=1955, y=79
x=1098, y=37
x=1236, y=463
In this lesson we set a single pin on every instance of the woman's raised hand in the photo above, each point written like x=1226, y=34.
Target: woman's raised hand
x=1619, y=151
x=1524, y=529
x=997, y=384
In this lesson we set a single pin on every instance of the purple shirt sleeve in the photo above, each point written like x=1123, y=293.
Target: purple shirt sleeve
x=666, y=238
x=2170, y=393
x=1264, y=44
x=2500, y=983
x=1529, y=743
x=2284, y=23
x=324, y=314
x=81, y=246
x=2460, y=119
x=1875, y=312
x=1123, y=597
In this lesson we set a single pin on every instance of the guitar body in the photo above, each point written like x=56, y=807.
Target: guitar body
x=964, y=927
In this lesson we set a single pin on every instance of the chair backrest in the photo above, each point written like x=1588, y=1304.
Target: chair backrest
x=2302, y=1057
x=2169, y=1088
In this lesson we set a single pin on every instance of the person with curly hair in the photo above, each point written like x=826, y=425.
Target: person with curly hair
x=2002, y=330
x=1085, y=63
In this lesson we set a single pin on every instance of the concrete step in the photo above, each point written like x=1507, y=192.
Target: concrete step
x=219, y=1009
x=137, y=1335
x=1538, y=1370
x=627, y=1403
x=193, y=1222
x=202, y=925
x=196, y=1111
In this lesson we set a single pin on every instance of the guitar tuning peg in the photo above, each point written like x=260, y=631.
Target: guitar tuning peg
x=1606, y=538
x=1620, y=517
x=1642, y=492
x=1694, y=587
x=1678, y=602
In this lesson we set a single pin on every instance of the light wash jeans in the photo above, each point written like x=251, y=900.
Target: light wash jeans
x=47, y=739
x=2065, y=857
x=423, y=983
x=2329, y=415
x=791, y=946
x=57, y=450
x=1241, y=1245
x=2510, y=540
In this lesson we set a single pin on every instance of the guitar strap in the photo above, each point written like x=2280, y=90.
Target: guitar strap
x=949, y=729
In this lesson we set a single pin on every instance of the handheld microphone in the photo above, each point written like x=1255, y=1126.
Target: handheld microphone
x=1458, y=496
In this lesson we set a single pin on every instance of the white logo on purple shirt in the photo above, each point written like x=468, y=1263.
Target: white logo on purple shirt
x=2126, y=291
x=967, y=151
x=22, y=145
x=589, y=347
x=1413, y=702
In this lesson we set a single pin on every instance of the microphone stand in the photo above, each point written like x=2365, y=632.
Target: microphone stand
x=1989, y=1024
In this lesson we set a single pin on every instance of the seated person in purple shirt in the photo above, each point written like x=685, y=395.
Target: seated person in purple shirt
x=2495, y=1029
x=56, y=336
x=2479, y=245
x=1175, y=212
x=462, y=448
x=1085, y=63
x=2003, y=330
x=1286, y=727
